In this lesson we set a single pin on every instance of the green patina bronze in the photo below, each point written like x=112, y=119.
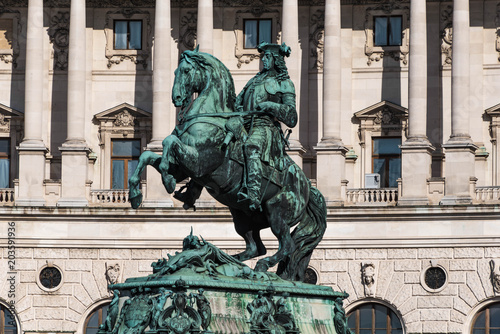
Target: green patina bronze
x=204, y=290
x=234, y=147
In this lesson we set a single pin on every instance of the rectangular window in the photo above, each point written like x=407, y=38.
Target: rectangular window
x=386, y=160
x=5, y=163
x=387, y=31
x=128, y=34
x=257, y=31
x=124, y=159
x=6, y=29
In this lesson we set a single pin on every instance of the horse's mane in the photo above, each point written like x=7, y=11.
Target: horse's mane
x=217, y=75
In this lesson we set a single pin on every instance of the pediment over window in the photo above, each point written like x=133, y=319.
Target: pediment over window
x=123, y=115
x=493, y=111
x=383, y=118
x=9, y=117
x=384, y=113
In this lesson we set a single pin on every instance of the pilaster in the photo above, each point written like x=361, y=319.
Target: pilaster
x=331, y=172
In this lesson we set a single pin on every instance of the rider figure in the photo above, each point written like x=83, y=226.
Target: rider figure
x=271, y=94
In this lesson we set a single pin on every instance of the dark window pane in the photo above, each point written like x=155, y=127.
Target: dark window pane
x=265, y=31
x=495, y=316
x=121, y=35
x=5, y=146
x=395, y=30
x=380, y=32
x=381, y=331
x=4, y=173
x=494, y=330
x=118, y=174
x=365, y=316
x=386, y=146
x=351, y=321
x=394, y=171
x=365, y=331
x=126, y=148
x=132, y=165
x=481, y=320
x=380, y=317
x=478, y=331
x=250, y=34
x=395, y=323
x=135, y=35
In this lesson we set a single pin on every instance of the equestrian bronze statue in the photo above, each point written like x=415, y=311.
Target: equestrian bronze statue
x=234, y=148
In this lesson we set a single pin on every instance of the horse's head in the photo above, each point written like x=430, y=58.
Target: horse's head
x=188, y=80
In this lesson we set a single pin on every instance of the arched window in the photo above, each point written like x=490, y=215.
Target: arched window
x=374, y=318
x=487, y=321
x=8, y=323
x=95, y=319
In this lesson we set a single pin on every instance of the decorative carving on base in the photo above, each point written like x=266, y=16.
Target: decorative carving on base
x=270, y=316
x=340, y=319
x=316, y=38
x=447, y=34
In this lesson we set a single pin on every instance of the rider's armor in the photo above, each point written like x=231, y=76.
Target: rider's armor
x=265, y=137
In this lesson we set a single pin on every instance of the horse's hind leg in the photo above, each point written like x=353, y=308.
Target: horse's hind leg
x=247, y=229
x=282, y=212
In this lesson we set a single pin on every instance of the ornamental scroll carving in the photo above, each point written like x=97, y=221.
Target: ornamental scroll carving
x=396, y=52
x=187, y=34
x=59, y=37
x=11, y=26
x=124, y=119
x=446, y=34
x=495, y=276
x=316, y=38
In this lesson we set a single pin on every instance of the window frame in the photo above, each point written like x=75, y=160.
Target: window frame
x=136, y=56
x=387, y=157
x=486, y=309
x=398, y=52
x=388, y=30
x=128, y=33
x=4, y=306
x=258, y=20
x=126, y=159
x=247, y=55
x=100, y=316
x=355, y=308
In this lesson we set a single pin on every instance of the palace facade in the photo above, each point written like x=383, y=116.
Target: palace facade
x=399, y=115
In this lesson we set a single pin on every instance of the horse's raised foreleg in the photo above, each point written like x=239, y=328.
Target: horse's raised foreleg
x=146, y=158
x=168, y=179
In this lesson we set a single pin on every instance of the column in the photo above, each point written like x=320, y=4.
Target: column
x=416, y=152
x=32, y=150
x=75, y=149
x=290, y=36
x=331, y=150
x=156, y=195
x=459, y=150
x=205, y=28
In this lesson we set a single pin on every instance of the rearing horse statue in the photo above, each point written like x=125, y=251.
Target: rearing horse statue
x=206, y=148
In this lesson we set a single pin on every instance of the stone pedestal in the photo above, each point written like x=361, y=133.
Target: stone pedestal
x=459, y=169
x=74, y=175
x=416, y=159
x=31, y=175
x=331, y=172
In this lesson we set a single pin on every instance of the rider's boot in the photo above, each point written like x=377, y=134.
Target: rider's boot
x=254, y=181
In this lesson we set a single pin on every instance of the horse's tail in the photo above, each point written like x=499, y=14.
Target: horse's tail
x=306, y=236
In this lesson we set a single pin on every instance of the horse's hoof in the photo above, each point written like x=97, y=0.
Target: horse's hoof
x=261, y=266
x=136, y=201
